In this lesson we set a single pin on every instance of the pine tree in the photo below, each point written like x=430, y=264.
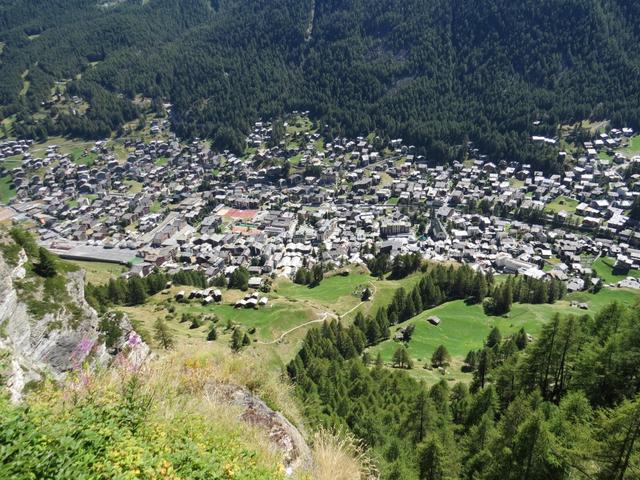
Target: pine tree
x=507, y=297
x=137, y=293
x=618, y=434
x=317, y=275
x=116, y=292
x=480, y=288
x=420, y=416
x=485, y=364
x=360, y=322
x=46, y=266
x=417, y=301
x=410, y=309
x=431, y=461
x=236, y=340
x=401, y=358
x=373, y=332
x=495, y=338
x=163, y=335
x=239, y=279
x=213, y=333
x=379, y=362
x=440, y=357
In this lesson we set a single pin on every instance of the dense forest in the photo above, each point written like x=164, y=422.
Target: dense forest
x=565, y=406
x=436, y=73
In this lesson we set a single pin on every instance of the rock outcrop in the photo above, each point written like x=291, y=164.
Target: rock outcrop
x=56, y=343
x=282, y=433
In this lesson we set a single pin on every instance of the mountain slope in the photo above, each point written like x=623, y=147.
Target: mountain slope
x=434, y=72
x=47, y=329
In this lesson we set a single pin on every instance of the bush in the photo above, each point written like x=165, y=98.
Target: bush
x=120, y=432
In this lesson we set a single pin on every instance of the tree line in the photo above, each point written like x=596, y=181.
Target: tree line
x=135, y=290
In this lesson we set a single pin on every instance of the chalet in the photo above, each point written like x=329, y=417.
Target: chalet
x=433, y=320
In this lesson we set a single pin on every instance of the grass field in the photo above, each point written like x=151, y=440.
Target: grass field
x=290, y=306
x=604, y=268
x=270, y=323
x=634, y=146
x=78, y=156
x=299, y=125
x=465, y=327
x=6, y=192
x=562, y=203
x=335, y=293
x=134, y=186
x=10, y=163
x=155, y=207
x=99, y=273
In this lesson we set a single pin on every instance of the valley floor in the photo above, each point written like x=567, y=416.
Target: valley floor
x=293, y=309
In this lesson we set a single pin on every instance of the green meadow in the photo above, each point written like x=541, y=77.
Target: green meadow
x=465, y=327
x=603, y=267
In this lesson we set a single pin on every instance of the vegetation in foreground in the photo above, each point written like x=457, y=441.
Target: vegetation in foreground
x=152, y=423
x=159, y=421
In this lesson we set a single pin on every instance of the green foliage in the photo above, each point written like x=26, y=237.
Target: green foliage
x=118, y=433
x=46, y=266
x=404, y=265
x=440, y=357
x=237, y=340
x=564, y=406
x=213, y=333
x=239, y=279
x=10, y=252
x=26, y=240
x=163, y=335
x=401, y=358
x=136, y=290
x=435, y=74
x=110, y=329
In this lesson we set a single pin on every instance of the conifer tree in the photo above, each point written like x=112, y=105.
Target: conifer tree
x=137, y=292
x=236, y=340
x=431, y=460
x=440, y=357
x=163, y=334
x=46, y=266
x=213, y=333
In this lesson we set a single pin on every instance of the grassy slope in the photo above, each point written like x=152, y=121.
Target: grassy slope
x=290, y=306
x=110, y=431
x=99, y=273
x=464, y=327
x=634, y=146
x=604, y=268
x=6, y=192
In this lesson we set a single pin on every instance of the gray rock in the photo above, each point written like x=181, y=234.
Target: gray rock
x=282, y=433
x=53, y=345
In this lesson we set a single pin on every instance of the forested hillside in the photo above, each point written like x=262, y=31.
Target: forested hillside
x=434, y=72
x=563, y=407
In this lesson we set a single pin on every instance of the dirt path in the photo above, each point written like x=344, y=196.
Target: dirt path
x=320, y=320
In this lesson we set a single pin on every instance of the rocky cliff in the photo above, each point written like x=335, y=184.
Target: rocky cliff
x=50, y=336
